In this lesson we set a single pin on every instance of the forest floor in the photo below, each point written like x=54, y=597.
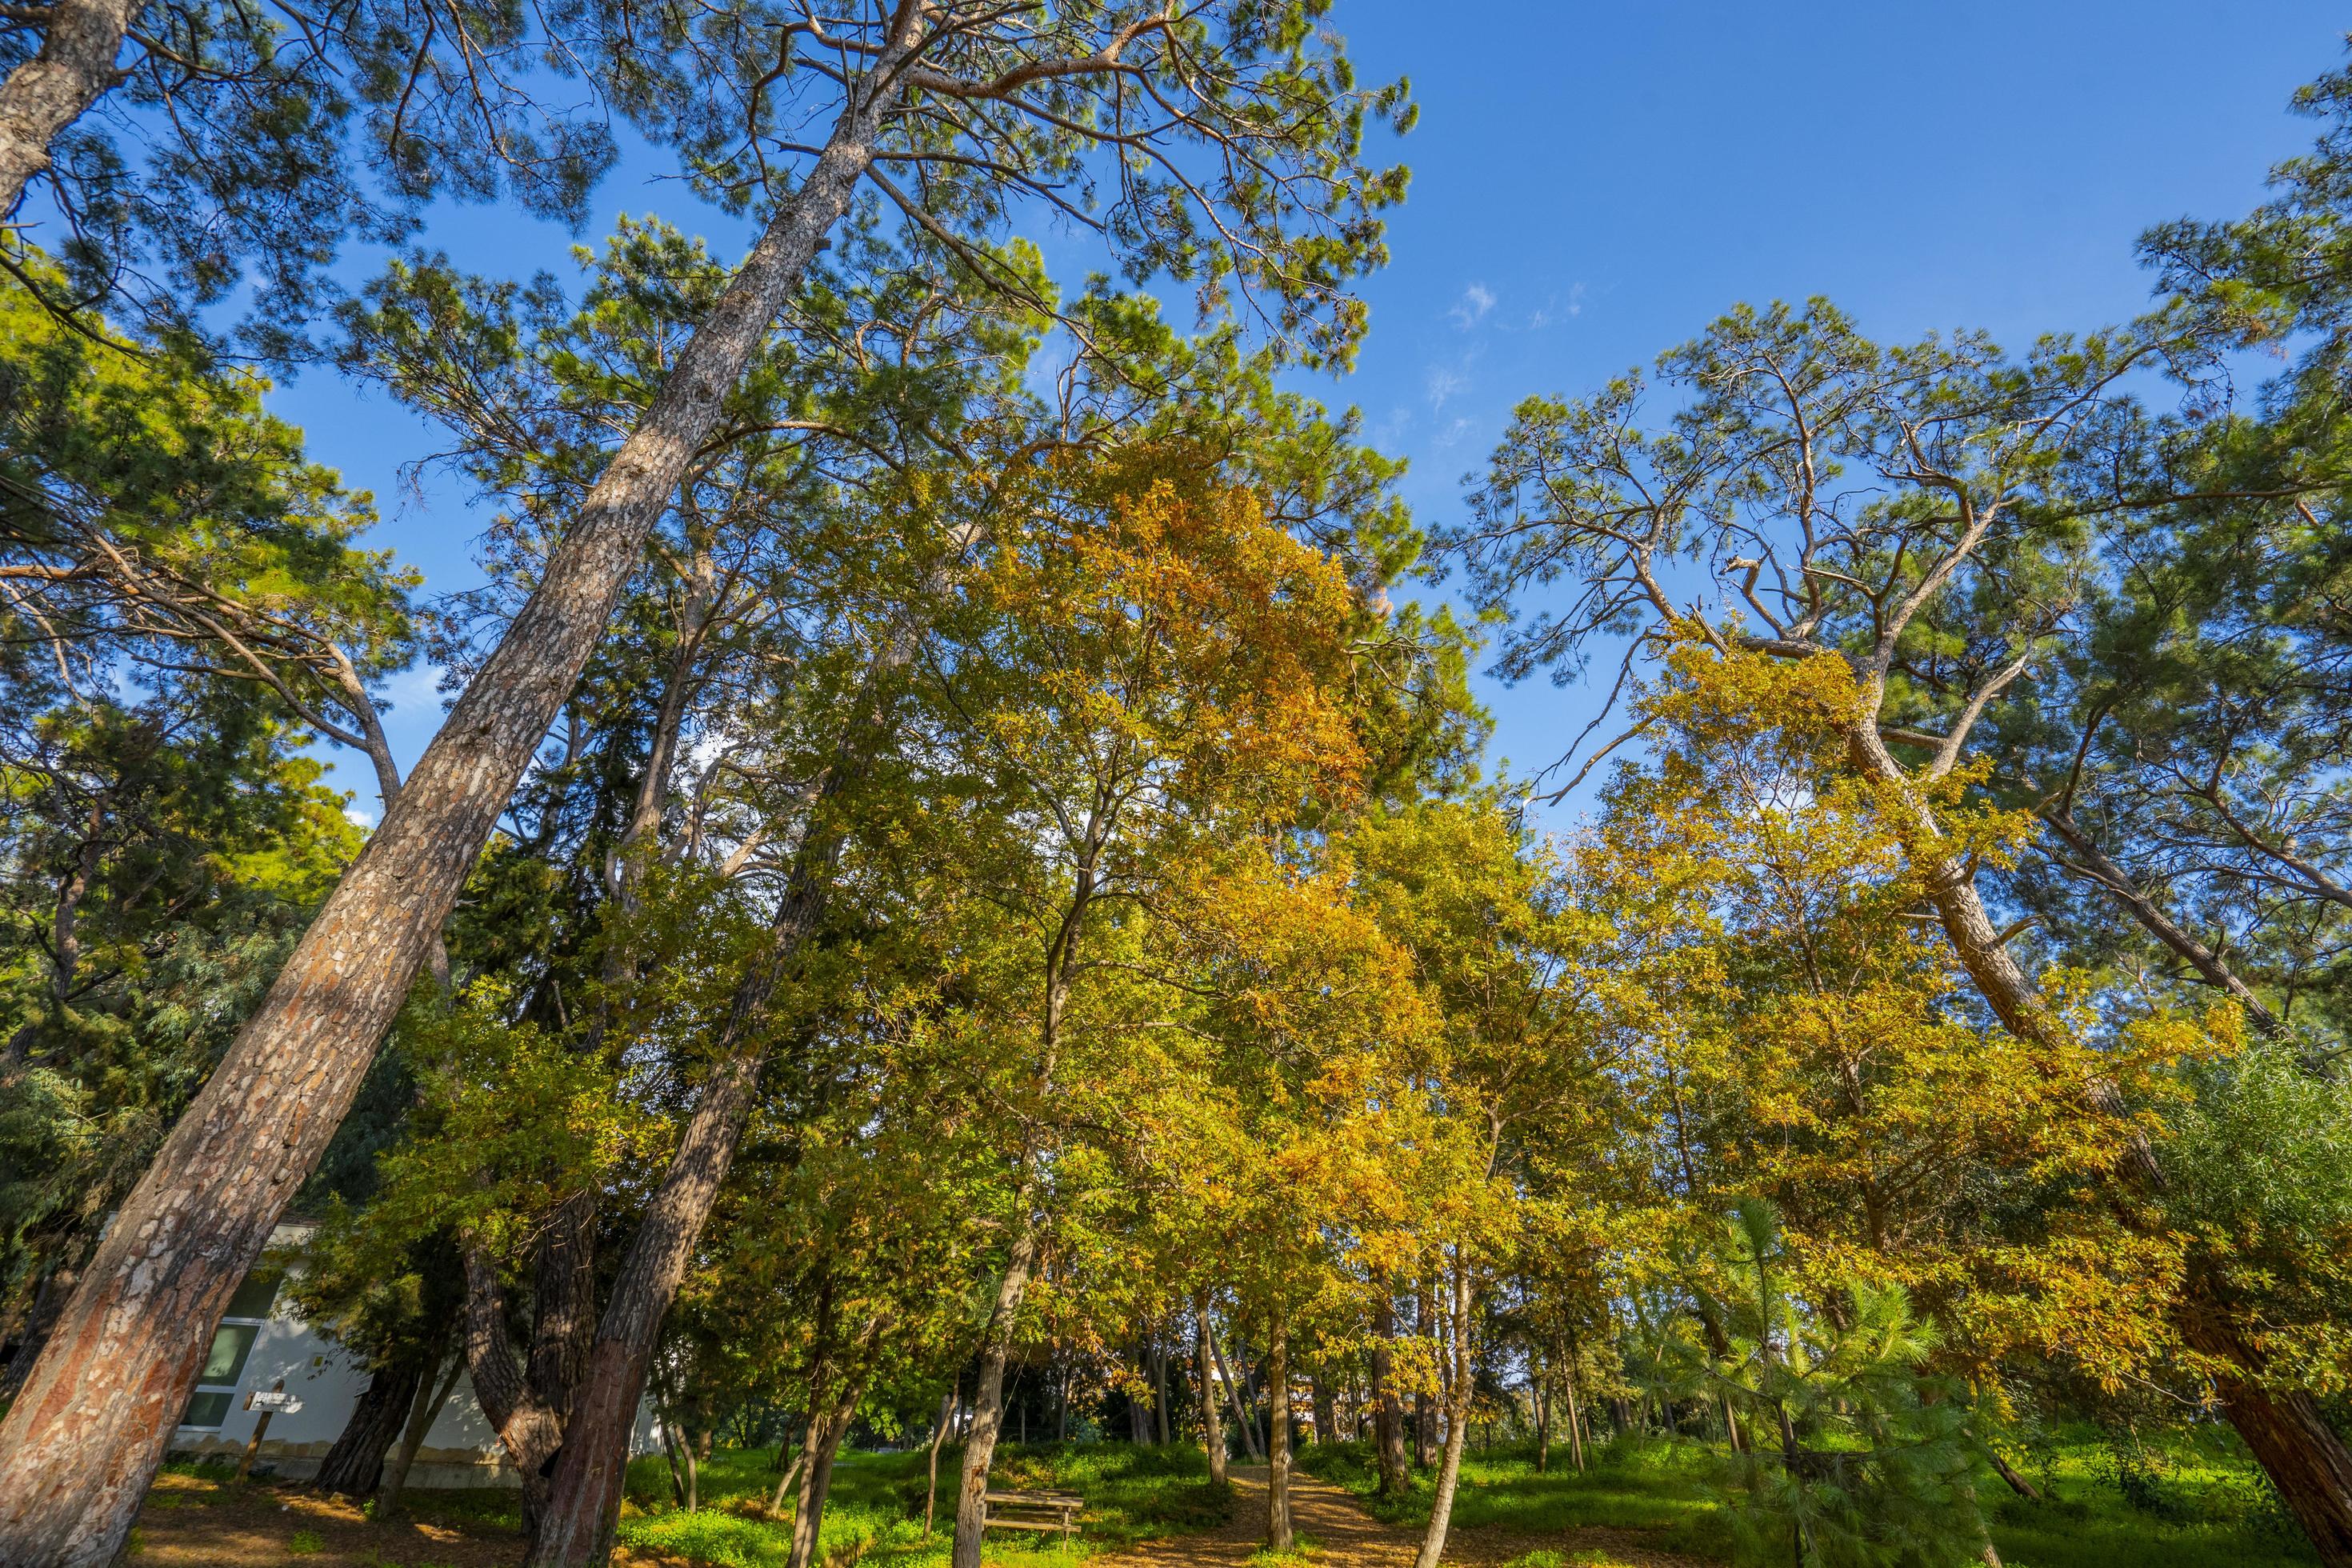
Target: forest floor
x=1638, y=1505
x=1335, y=1532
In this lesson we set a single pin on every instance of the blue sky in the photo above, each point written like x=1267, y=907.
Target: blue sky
x=1591, y=185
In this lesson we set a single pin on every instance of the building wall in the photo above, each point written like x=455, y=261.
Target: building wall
x=460, y=1450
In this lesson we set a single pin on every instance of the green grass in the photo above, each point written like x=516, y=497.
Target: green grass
x=875, y=1512
x=2196, y=1498
x=1630, y=1486
x=306, y=1543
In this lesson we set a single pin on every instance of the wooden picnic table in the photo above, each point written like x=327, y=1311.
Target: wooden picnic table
x=1031, y=1510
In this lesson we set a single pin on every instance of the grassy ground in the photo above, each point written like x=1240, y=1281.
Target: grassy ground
x=2194, y=1500
x=875, y=1512
x=194, y=1517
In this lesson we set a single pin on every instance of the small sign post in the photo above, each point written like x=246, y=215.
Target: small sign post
x=269, y=1405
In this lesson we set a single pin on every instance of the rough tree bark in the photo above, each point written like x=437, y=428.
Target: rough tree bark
x=1277, y=1436
x=1213, y=1426
x=1387, y=1410
x=1457, y=1424
x=355, y=1462
x=80, y=41
x=2287, y=1435
x=1326, y=1408
x=80, y=1444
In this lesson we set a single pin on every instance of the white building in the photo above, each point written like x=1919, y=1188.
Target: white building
x=260, y=1342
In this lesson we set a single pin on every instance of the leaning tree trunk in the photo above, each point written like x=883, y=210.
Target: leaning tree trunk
x=1277, y=1436
x=354, y=1464
x=80, y=42
x=2287, y=1436
x=582, y=1509
x=1457, y=1424
x=79, y=1447
x=1213, y=1426
x=2306, y=1460
x=987, y=1400
x=1241, y=1417
x=1387, y=1410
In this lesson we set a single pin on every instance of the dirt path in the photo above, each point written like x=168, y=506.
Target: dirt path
x=1342, y=1535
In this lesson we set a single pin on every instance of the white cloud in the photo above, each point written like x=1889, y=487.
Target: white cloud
x=360, y=815
x=415, y=690
x=1472, y=308
x=1553, y=309
x=1445, y=385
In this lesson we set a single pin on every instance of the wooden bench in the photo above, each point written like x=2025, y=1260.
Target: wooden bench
x=1031, y=1510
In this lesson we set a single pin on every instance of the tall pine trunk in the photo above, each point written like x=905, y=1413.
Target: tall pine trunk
x=2309, y=1464
x=1457, y=1423
x=79, y=1447
x=2288, y=1437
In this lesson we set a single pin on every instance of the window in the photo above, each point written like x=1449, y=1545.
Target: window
x=232, y=1343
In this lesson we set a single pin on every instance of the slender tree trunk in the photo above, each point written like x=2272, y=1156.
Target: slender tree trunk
x=788, y=1484
x=1160, y=1390
x=78, y=1448
x=1212, y=1428
x=1327, y=1410
x=987, y=1400
x=429, y=1401
x=1542, y=1400
x=1139, y=1417
x=1277, y=1436
x=939, y=1436
x=670, y=1452
x=1424, y=1407
x=1457, y=1424
x=356, y=1461
x=1575, y=1418
x=816, y=1481
x=80, y=42
x=1233, y=1396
